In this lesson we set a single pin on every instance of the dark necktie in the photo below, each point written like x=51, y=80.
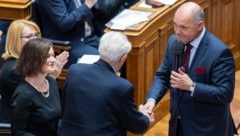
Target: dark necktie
x=186, y=57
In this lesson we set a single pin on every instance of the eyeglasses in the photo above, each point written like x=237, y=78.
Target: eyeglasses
x=31, y=36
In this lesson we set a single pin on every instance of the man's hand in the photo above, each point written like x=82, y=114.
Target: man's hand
x=146, y=113
x=180, y=80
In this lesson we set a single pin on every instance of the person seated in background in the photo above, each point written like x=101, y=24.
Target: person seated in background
x=106, y=10
x=98, y=102
x=19, y=32
x=36, y=101
x=70, y=20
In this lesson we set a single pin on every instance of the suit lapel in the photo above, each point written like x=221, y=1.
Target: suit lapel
x=203, y=46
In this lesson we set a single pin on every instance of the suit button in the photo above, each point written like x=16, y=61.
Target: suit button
x=82, y=39
x=178, y=117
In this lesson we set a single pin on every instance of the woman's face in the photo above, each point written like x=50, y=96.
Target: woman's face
x=49, y=65
x=28, y=33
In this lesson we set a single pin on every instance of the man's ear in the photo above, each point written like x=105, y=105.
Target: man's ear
x=201, y=25
x=123, y=58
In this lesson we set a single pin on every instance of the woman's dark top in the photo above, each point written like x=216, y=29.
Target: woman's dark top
x=34, y=114
x=9, y=80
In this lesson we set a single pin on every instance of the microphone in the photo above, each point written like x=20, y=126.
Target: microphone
x=178, y=49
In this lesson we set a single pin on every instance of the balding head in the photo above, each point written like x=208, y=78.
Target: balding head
x=191, y=10
x=188, y=21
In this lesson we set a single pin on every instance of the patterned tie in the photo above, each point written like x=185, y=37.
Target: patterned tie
x=186, y=57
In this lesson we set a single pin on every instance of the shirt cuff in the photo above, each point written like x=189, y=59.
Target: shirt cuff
x=192, y=88
x=152, y=100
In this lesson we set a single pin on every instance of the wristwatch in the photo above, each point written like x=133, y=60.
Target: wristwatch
x=191, y=88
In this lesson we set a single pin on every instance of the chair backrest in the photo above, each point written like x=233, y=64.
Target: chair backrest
x=5, y=129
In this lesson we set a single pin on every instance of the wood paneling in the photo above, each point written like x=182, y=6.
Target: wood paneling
x=225, y=24
x=15, y=9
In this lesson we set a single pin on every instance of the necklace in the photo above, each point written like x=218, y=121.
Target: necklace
x=39, y=87
x=45, y=94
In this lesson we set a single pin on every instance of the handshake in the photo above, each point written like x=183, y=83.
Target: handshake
x=147, y=110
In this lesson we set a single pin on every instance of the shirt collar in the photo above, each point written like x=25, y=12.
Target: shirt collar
x=195, y=43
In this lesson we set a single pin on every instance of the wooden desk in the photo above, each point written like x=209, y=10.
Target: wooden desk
x=15, y=9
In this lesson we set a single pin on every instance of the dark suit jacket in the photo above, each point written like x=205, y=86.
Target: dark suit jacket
x=62, y=20
x=96, y=102
x=207, y=112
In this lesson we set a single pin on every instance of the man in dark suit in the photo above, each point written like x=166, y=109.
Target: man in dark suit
x=69, y=20
x=200, y=96
x=97, y=102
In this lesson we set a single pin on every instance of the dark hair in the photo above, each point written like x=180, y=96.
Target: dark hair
x=33, y=56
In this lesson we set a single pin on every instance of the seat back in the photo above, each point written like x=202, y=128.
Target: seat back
x=5, y=129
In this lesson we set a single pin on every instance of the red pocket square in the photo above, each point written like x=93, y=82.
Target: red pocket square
x=200, y=70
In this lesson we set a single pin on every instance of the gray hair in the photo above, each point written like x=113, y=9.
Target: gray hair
x=198, y=15
x=113, y=45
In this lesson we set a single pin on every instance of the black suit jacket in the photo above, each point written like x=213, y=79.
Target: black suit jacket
x=96, y=102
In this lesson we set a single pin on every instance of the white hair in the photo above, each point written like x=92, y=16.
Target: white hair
x=113, y=45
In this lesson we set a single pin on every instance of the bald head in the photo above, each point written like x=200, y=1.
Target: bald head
x=191, y=10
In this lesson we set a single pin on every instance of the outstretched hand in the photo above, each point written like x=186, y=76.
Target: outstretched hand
x=146, y=113
x=149, y=105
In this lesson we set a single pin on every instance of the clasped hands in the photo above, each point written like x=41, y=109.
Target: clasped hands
x=147, y=110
